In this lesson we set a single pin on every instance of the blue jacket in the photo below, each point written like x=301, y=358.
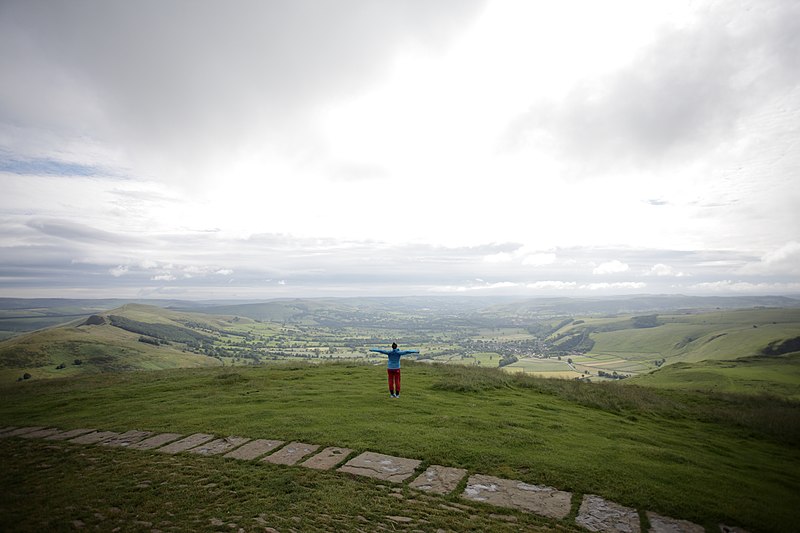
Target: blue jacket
x=394, y=356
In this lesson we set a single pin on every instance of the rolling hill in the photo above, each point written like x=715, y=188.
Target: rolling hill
x=110, y=341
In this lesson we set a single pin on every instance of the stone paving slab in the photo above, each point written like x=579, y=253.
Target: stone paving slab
x=126, y=439
x=731, y=529
x=186, y=443
x=95, y=437
x=69, y=434
x=439, y=479
x=598, y=514
x=327, y=458
x=379, y=466
x=218, y=446
x=539, y=499
x=291, y=453
x=663, y=524
x=40, y=434
x=253, y=449
x=155, y=441
x=21, y=431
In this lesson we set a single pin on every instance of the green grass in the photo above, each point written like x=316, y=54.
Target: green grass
x=64, y=487
x=775, y=375
x=706, y=458
x=722, y=335
x=100, y=348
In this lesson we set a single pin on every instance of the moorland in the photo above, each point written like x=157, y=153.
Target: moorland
x=684, y=406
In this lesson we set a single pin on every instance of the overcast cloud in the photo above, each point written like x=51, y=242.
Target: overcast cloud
x=263, y=149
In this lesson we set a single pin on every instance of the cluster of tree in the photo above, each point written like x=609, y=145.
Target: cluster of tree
x=152, y=340
x=575, y=342
x=507, y=361
x=660, y=362
x=165, y=332
x=782, y=347
x=64, y=365
x=648, y=321
x=612, y=375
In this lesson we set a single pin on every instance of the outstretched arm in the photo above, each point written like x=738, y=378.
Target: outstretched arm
x=406, y=352
x=384, y=352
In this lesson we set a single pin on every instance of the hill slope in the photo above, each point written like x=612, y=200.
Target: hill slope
x=96, y=344
x=703, y=457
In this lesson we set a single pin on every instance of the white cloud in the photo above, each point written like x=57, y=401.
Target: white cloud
x=622, y=285
x=783, y=260
x=728, y=286
x=118, y=271
x=500, y=257
x=480, y=286
x=611, y=267
x=663, y=270
x=540, y=259
x=163, y=277
x=554, y=285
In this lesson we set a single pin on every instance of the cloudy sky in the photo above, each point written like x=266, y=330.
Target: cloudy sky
x=262, y=149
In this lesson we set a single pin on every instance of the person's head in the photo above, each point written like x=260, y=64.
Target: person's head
x=394, y=346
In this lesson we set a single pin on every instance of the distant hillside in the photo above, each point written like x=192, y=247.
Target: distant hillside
x=685, y=337
x=402, y=312
x=539, y=307
x=761, y=374
x=539, y=336
x=131, y=337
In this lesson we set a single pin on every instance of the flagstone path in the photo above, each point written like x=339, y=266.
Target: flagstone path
x=595, y=513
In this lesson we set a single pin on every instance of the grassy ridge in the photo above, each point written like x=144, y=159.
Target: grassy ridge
x=706, y=458
x=101, y=348
x=691, y=337
x=773, y=375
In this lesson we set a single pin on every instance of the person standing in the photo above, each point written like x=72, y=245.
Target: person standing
x=393, y=367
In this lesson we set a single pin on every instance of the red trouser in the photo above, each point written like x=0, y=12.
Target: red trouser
x=394, y=380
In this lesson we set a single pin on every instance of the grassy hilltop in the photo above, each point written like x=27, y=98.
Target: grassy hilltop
x=708, y=458
x=705, y=426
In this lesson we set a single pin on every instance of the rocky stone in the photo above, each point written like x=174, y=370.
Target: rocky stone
x=21, y=431
x=538, y=499
x=155, y=441
x=731, y=529
x=327, y=458
x=439, y=479
x=186, y=443
x=69, y=434
x=291, y=453
x=379, y=466
x=127, y=439
x=7, y=429
x=599, y=514
x=663, y=524
x=40, y=434
x=218, y=446
x=95, y=437
x=254, y=449
x=400, y=519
